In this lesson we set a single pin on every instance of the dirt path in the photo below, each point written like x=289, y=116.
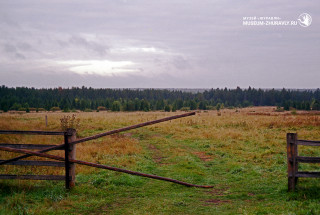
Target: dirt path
x=157, y=155
x=203, y=156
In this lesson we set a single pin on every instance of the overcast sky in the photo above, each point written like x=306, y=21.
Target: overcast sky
x=157, y=44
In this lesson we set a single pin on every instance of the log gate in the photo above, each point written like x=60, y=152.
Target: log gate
x=69, y=161
x=69, y=177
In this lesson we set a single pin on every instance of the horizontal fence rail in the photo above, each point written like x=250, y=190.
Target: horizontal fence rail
x=32, y=132
x=36, y=163
x=294, y=160
x=308, y=159
x=308, y=143
x=34, y=177
x=28, y=146
x=308, y=174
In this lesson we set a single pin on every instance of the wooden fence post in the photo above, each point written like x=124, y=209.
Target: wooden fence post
x=292, y=153
x=70, y=153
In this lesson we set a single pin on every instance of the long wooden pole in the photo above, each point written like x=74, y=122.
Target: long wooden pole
x=131, y=127
x=102, y=135
x=101, y=166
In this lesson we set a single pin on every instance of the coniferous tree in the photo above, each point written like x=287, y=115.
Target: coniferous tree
x=152, y=99
x=116, y=105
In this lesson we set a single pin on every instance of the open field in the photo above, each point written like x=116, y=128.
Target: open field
x=241, y=152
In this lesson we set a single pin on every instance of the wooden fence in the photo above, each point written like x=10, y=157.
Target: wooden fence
x=294, y=159
x=69, y=149
x=69, y=160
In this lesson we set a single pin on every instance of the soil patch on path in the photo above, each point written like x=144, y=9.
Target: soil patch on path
x=203, y=156
x=156, y=154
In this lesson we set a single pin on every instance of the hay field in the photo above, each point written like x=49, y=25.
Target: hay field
x=242, y=152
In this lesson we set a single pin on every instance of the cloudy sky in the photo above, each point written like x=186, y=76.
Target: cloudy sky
x=158, y=44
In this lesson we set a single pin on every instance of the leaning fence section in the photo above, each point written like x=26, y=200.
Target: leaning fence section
x=69, y=160
x=294, y=159
x=69, y=149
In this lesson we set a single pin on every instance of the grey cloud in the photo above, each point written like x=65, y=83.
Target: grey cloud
x=203, y=43
x=25, y=46
x=9, y=48
x=181, y=63
x=20, y=56
x=79, y=41
x=13, y=52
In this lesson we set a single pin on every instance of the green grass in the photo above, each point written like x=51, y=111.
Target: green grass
x=243, y=157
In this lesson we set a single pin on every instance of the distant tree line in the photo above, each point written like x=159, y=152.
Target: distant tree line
x=88, y=99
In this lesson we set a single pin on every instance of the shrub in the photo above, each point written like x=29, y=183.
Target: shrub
x=116, y=106
x=55, y=109
x=101, y=108
x=185, y=109
x=15, y=106
x=220, y=106
x=279, y=109
x=174, y=109
x=315, y=105
x=69, y=122
x=209, y=107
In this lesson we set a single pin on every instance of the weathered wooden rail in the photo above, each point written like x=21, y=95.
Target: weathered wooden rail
x=69, y=160
x=294, y=159
x=69, y=176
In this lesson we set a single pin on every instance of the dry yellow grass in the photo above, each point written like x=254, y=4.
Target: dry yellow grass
x=241, y=152
x=231, y=130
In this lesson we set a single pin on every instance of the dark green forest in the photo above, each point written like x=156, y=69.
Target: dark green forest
x=89, y=99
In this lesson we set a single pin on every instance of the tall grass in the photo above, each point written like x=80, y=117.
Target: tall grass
x=241, y=152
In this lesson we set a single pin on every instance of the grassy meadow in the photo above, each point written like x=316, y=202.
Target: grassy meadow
x=241, y=152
